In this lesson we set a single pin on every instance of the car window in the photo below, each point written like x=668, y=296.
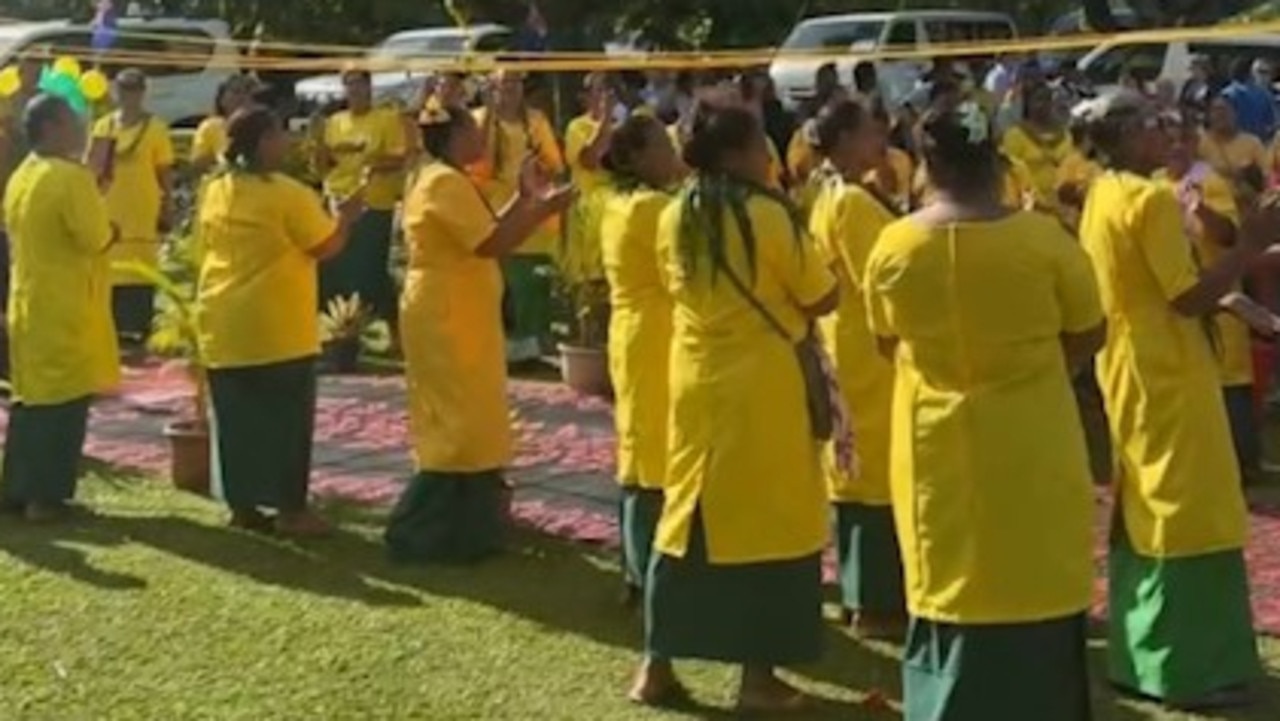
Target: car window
x=832, y=35
x=902, y=33
x=492, y=42
x=156, y=51
x=62, y=43
x=1144, y=61
x=446, y=44
x=1223, y=55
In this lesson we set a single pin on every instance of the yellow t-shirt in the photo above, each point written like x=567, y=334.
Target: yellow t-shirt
x=258, y=295
x=1178, y=478
x=897, y=189
x=498, y=174
x=136, y=197
x=846, y=223
x=1041, y=156
x=802, y=158
x=1232, y=156
x=577, y=137
x=741, y=452
x=451, y=327
x=62, y=341
x=211, y=141
x=991, y=488
x=639, y=334
x=356, y=141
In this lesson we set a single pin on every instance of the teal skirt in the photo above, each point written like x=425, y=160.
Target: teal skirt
x=1180, y=629
x=528, y=302
x=448, y=518
x=763, y=614
x=42, y=451
x=870, y=559
x=1006, y=672
x=638, y=513
x=263, y=418
x=364, y=266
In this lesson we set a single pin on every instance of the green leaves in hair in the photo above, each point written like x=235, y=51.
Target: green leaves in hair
x=703, y=203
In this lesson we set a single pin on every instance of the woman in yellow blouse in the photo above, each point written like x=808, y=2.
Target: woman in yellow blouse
x=59, y=314
x=985, y=310
x=210, y=142
x=1041, y=144
x=643, y=166
x=263, y=234
x=139, y=180
x=1236, y=155
x=1176, y=556
x=1211, y=218
x=514, y=133
x=586, y=141
x=363, y=146
x=736, y=575
x=846, y=222
x=451, y=328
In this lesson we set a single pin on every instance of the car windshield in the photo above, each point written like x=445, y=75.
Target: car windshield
x=398, y=48
x=826, y=35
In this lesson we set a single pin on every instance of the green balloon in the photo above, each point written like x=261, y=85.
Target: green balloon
x=67, y=88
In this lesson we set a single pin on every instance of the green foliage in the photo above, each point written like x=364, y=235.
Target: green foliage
x=350, y=319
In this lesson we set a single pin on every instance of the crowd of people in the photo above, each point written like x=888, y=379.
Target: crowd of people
x=918, y=329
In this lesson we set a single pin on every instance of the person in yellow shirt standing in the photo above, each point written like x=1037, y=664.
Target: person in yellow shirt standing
x=363, y=146
x=514, y=132
x=211, y=140
x=59, y=312
x=586, y=140
x=1041, y=144
x=1238, y=156
x=453, y=510
x=1181, y=629
x=138, y=174
x=736, y=573
x=985, y=310
x=263, y=234
x=643, y=167
x=846, y=222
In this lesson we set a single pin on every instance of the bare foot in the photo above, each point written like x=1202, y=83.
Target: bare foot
x=763, y=693
x=303, y=524
x=656, y=685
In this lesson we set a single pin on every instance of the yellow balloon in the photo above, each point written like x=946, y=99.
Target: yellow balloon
x=94, y=85
x=10, y=81
x=67, y=66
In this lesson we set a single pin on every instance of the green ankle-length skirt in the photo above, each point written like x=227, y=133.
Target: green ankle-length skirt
x=639, y=510
x=263, y=418
x=42, y=451
x=449, y=518
x=364, y=266
x=999, y=672
x=529, y=304
x=1180, y=628
x=765, y=614
x=870, y=559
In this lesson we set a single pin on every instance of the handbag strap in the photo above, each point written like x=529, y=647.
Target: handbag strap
x=744, y=227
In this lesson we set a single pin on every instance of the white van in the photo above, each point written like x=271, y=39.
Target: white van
x=866, y=32
x=1104, y=65
x=181, y=93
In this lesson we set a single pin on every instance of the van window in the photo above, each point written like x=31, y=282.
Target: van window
x=492, y=43
x=65, y=43
x=1145, y=61
x=902, y=33
x=153, y=50
x=831, y=35
x=1223, y=55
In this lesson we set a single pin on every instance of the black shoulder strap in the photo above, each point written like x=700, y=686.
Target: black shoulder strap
x=744, y=228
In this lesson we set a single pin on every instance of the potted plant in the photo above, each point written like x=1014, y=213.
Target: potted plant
x=175, y=334
x=584, y=355
x=347, y=327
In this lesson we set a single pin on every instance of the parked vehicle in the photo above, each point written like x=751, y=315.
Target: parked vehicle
x=1103, y=67
x=860, y=33
x=404, y=85
x=180, y=92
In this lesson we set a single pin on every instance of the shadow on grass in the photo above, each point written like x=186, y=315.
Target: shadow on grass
x=53, y=549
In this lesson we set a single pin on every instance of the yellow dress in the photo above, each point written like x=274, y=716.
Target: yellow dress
x=1235, y=347
x=899, y=191
x=62, y=339
x=1041, y=156
x=211, y=141
x=639, y=335
x=451, y=328
x=1232, y=156
x=846, y=223
x=353, y=142
x=258, y=287
x=740, y=449
x=580, y=258
x=992, y=496
x=498, y=174
x=1179, y=482
x=136, y=197
x=802, y=158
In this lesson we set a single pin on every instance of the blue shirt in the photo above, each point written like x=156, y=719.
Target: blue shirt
x=1255, y=109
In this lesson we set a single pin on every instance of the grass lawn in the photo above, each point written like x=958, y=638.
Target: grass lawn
x=154, y=611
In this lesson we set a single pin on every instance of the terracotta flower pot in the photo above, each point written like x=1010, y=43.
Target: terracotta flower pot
x=189, y=460
x=586, y=370
x=342, y=356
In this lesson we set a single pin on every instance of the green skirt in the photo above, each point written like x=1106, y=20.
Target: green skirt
x=364, y=266
x=638, y=513
x=263, y=418
x=870, y=559
x=766, y=614
x=528, y=303
x=1007, y=672
x=449, y=518
x=42, y=451
x=1180, y=629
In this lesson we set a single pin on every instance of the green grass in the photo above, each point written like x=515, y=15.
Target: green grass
x=154, y=611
